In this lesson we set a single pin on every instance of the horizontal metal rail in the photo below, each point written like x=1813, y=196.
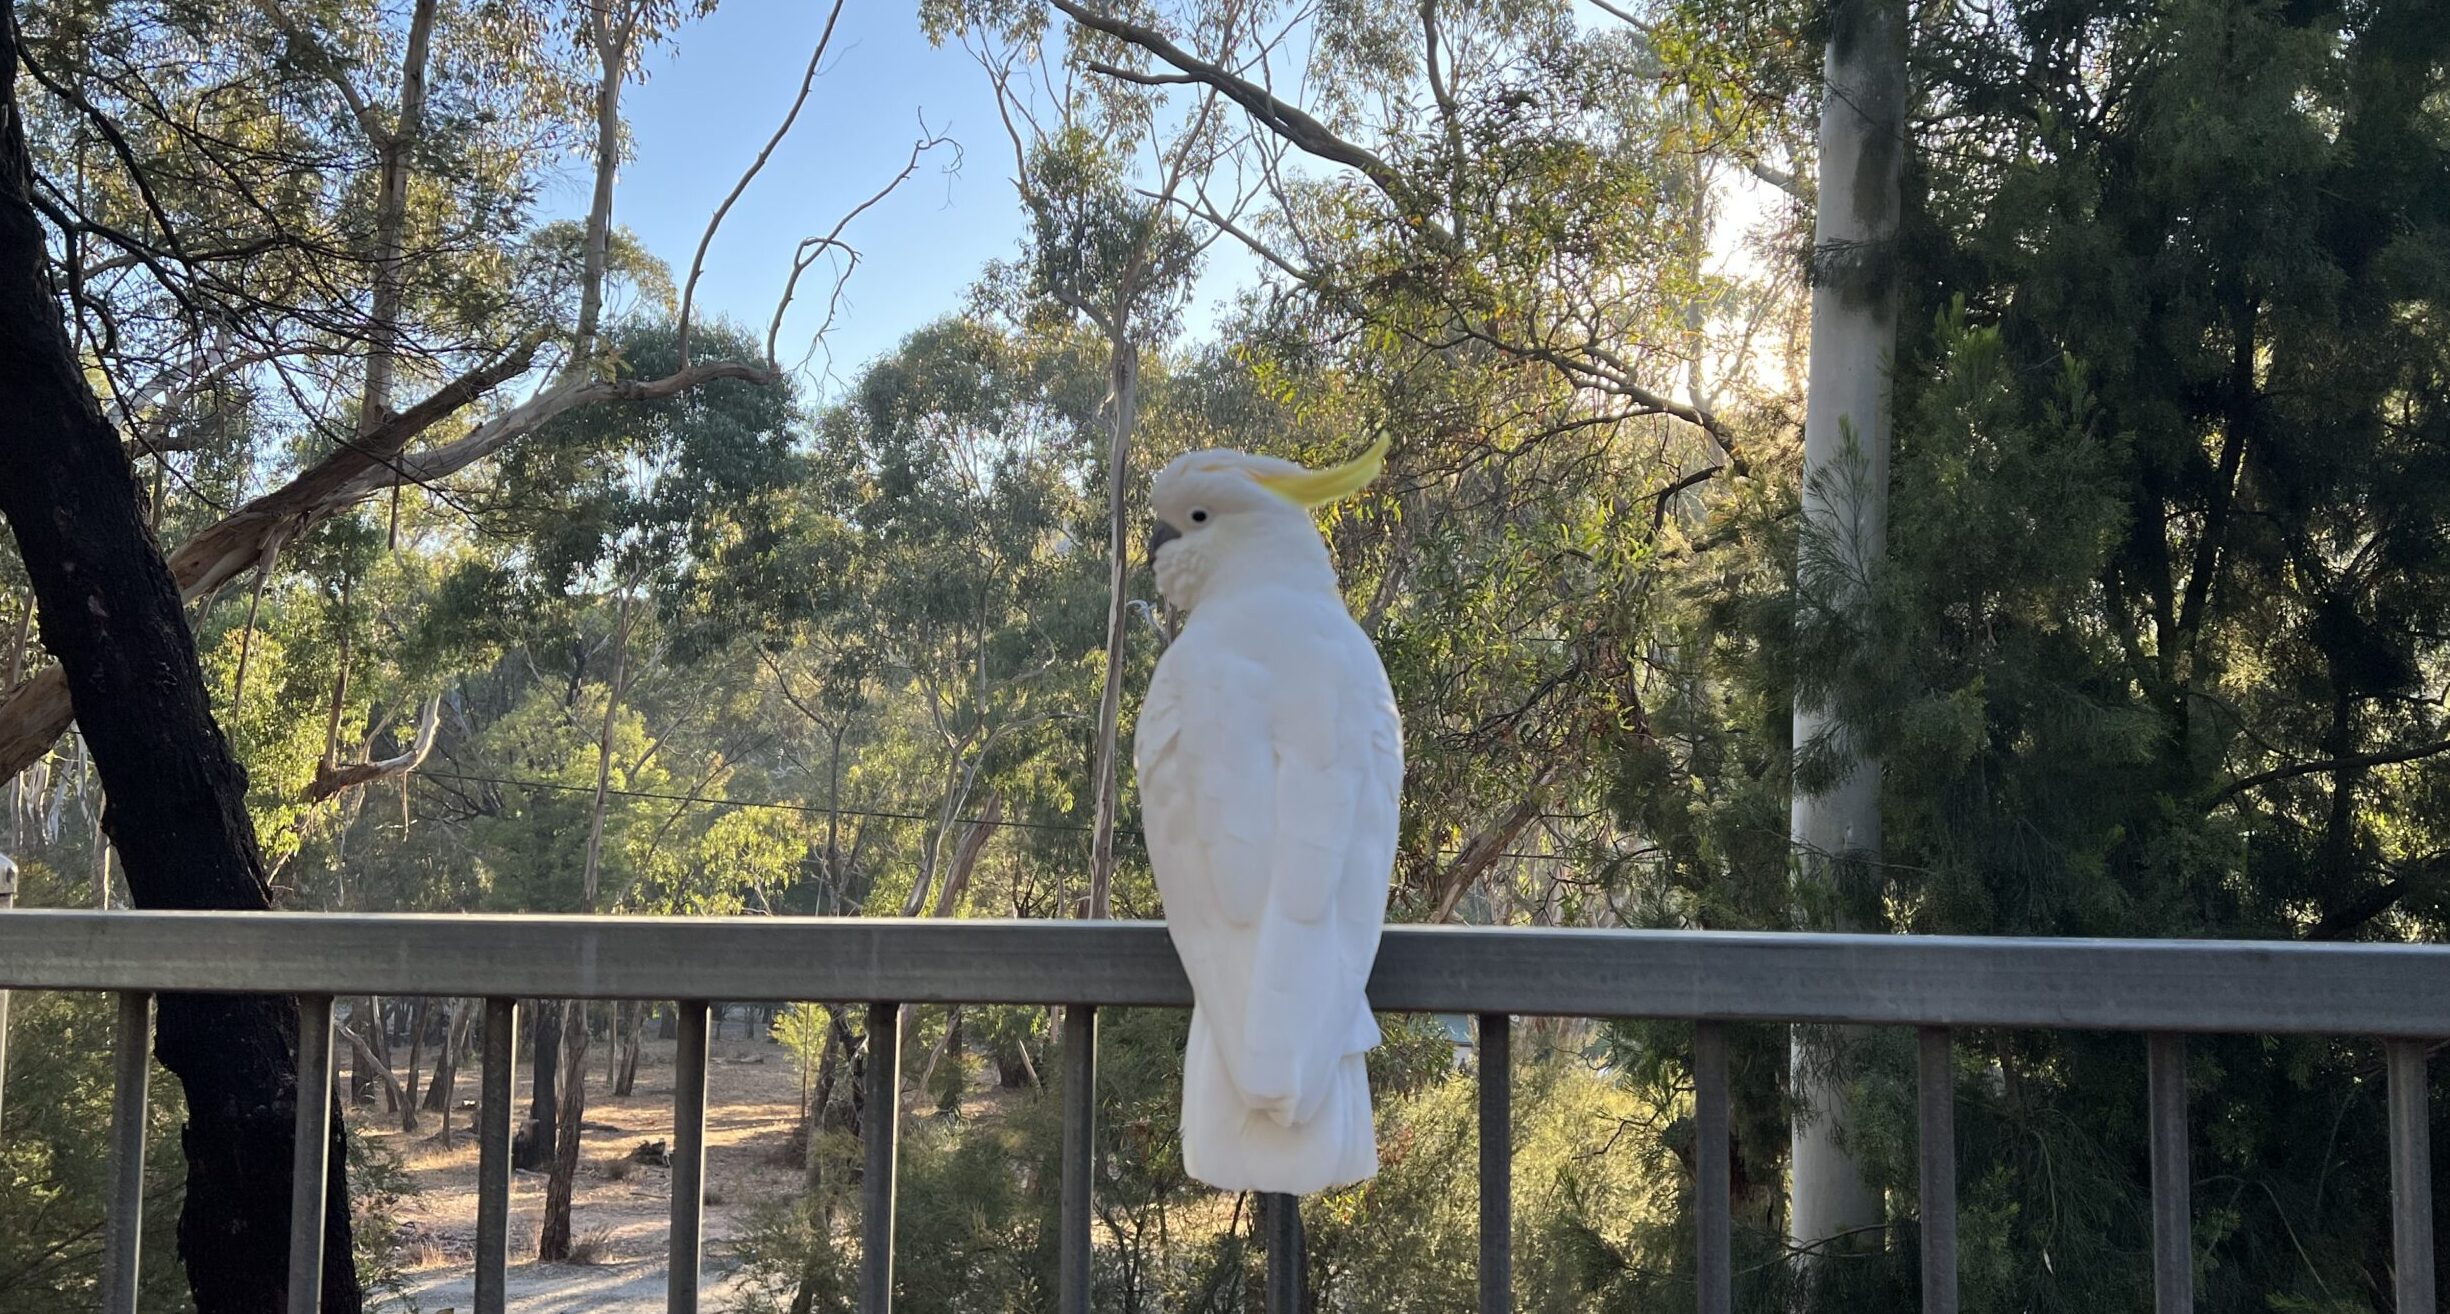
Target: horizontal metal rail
x=1942, y=981
x=2163, y=988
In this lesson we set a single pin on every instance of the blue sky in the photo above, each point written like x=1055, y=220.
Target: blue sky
x=713, y=96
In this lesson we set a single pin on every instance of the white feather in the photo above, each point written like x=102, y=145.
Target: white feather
x=1270, y=762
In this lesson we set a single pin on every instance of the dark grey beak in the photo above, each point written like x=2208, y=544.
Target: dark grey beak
x=1160, y=536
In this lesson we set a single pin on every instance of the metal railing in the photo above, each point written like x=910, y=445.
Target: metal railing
x=2164, y=989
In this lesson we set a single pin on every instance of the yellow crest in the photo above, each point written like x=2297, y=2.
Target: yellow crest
x=1317, y=488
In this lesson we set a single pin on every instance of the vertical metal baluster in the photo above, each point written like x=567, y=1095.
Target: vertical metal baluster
x=2173, y=1247
x=881, y=1121
x=123, y=1224
x=688, y=1160
x=8, y=900
x=1079, y=1157
x=1937, y=1097
x=1496, y=1163
x=310, y=1159
x=493, y=1138
x=1281, y=1217
x=1714, y=1248
x=2411, y=1178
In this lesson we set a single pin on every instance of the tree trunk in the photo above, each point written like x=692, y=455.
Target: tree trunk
x=102, y=852
x=367, y=1059
x=446, y=1063
x=553, y=1241
x=948, y=1043
x=1123, y=415
x=361, y=1078
x=604, y=754
x=378, y=1035
x=110, y=613
x=446, y=1076
x=1845, y=498
x=974, y=839
x=416, y=1064
x=545, y=1084
x=633, y=1039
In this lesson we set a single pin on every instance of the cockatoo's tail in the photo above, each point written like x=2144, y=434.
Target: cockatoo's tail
x=1270, y=758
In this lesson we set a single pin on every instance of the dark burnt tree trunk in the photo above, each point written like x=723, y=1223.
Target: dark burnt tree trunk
x=110, y=613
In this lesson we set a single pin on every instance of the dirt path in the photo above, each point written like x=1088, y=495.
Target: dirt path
x=621, y=1221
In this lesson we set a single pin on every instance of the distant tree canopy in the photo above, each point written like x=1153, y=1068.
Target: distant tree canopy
x=2155, y=648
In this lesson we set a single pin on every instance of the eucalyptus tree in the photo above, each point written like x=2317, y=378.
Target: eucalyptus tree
x=1836, y=825
x=2155, y=646
x=974, y=446
x=217, y=271
x=1102, y=167
x=1485, y=228
x=268, y=228
x=631, y=511
x=110, y=612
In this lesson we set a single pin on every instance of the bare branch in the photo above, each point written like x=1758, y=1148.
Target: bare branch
x=37, y=712
x=1286, y=120
x=697, y=262
x=330, y=780
x=813, y=247
x=1139, y=79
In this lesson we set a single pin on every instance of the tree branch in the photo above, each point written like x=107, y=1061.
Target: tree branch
x=330, y=780
x=2385, y=757
x=697, y=262
x=1286, y=120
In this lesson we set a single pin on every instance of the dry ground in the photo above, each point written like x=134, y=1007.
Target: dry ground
x=753, y=1090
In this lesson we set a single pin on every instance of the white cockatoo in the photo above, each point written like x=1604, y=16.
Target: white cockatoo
x=1270, y=758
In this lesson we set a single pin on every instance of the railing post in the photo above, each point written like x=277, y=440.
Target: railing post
x=688, y=1159
x=123, y=1224
x=1075, y=1267
x=8, y=900
x=1936, y=1091
x=2173, y=1246
x=493, y=1139
x=1714, y=1247
x=1496, y=1163
x=881, y=1123
x=1280, y=1216
x=2411, y=1178
x=310, y=1159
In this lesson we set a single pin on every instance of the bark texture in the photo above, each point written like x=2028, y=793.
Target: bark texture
x=109, y=611
x=1846, y=468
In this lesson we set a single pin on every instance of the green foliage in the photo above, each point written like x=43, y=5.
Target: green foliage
x=2154, y=647
x=54, y=1161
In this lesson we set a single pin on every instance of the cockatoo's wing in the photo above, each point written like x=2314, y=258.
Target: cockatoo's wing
x=1270, y=764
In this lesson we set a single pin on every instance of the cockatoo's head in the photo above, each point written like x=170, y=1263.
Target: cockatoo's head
x=1223, y=512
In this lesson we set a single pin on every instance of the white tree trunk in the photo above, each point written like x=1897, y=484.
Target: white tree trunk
x=1854, y=336
x=1122, y=419
x=613, y=689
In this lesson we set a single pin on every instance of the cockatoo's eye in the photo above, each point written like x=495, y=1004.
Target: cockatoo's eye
x=1199, y=515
